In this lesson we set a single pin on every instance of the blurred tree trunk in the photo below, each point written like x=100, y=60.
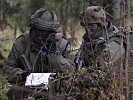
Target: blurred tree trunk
x=95, y=2
x=64, y=30
x=15, y=29
x=1, y=10
x=118, y=11
x=1, y=15
x=108, y=6
x=72, y=32
x=1, y=56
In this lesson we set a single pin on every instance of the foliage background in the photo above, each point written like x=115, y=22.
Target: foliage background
x=15, y=14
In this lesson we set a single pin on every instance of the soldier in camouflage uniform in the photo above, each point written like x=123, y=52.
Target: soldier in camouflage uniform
x=45, y=49
x=98, y=33
x=102, y=42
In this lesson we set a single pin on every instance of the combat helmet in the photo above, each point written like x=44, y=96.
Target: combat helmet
x=44, y=19
x=93, y=14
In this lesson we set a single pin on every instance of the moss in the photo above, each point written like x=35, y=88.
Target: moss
x=6, y=39
x=4, y=86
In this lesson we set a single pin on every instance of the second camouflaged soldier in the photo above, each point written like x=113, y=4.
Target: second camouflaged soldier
x=99, y=32
x=101, y=46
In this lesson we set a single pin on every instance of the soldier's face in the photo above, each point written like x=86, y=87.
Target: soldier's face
x=41, y=36
x=93, y=28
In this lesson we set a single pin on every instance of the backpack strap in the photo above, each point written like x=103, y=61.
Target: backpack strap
x=28, y=44
x=62, y=43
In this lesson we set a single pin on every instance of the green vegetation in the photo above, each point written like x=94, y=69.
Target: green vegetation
x=15, y=14
x=4, y=86
x=6, y=39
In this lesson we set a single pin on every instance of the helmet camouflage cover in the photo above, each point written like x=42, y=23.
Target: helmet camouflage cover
x=44, y=19
x=93, y=14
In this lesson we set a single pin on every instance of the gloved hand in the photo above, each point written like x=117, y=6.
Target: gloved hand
x=53, y=75
x=24, y=75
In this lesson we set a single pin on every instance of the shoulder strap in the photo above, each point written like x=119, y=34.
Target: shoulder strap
x=28, y=44
x=62, y=43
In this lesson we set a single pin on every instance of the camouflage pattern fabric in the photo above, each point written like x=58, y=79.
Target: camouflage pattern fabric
x=57, y=61
x=102, y=60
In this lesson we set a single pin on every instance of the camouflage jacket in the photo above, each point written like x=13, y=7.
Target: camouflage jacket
x=56, y=61
x=98, y=51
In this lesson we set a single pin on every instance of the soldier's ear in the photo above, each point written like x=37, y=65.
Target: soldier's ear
x=81, y=17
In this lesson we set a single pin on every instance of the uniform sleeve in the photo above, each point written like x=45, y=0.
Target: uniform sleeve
x=60, y=60
x=117, y=52
x=66, y=58
x=117, y=55
x=12, y=71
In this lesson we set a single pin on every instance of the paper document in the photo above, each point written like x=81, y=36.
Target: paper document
x=36, y=79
